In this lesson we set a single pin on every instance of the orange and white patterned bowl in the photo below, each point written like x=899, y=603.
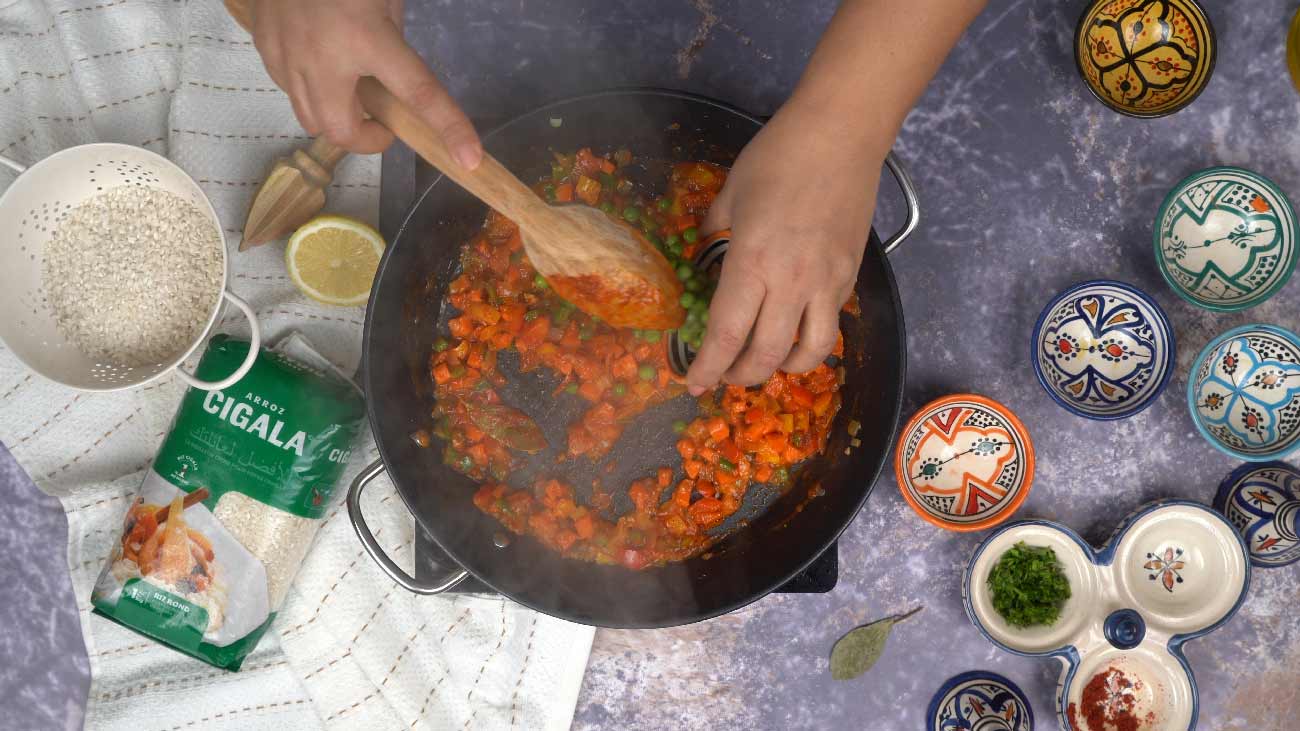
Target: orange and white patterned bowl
x=964, y=462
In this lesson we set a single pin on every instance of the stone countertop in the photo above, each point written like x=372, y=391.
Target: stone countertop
x=1027, y=185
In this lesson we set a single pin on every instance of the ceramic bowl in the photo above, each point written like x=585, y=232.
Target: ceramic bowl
x=1263, y=501
x=1103, y=349
x=1172, y=571
x=979, y=700
x=1244, y=392
x=965, y=462
x=1145, y=58
x=1225, y=239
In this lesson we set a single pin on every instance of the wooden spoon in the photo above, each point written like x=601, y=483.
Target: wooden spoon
x=603, y=266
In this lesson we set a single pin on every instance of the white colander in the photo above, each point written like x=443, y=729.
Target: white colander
x=30, y=211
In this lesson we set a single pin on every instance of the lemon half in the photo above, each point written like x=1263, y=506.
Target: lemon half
x=333, y=259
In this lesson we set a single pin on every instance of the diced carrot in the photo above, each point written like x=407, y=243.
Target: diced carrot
x=607, y=166
x=441, y=373
x=502, y=339
x=643, y=352
x=588, y=190
x=718, y=429
x=478, y=453
x=591, y=390
x=473, y=433
x=585, y=526
x=475, y=358
x=624, y=368
x=763, y=473
x=461, y=326
x=665, y=477
x=822, y=403
x=801, y=396
x=754, y=415
x=686, y=448
x=571, y=339
x=564, y=192
x=787, y=423
x=692, y=467
x=708, y=454
x=687, y=221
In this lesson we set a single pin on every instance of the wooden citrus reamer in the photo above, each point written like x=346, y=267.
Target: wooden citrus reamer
x=603, y=266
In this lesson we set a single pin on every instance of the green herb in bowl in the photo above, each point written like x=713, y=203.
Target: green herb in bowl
x=1029, y=586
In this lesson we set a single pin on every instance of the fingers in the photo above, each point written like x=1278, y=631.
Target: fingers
x=405, y=74
x=732, y=313
x=297, y=90
x=337, y=112
x=818, y=334
x=771, y=341
x=719, y=217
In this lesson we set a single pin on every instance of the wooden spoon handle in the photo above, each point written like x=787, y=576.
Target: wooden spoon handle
x=490, y=182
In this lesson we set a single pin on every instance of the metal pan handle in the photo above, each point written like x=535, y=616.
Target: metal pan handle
x=395, y=572
x=904, y=180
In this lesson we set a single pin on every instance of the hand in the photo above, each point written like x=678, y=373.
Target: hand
x=799, y=203
x=316, y=50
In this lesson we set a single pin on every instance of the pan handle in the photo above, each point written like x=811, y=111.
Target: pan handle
x=904, y=180
x=408, y=582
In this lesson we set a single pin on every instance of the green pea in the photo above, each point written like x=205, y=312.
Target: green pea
x=620, y=388
x=457, y=371
x=685, y=272
x=726, y=464
x=531, y=315
x=704, y=319
x=539, y=282
x=664, y=204
x=651, y=336
x=679, y=427
x=441, y=344
x=654, y=239
x=560, y=315
x=673, y=239
x=687, y=300
x=571, y=389
x=607, y=181
x=646, y=372
x=631, y=214
x=674, y=247
x=694, y=284
x=692, y=316
x=691, y=235
x=607, y=207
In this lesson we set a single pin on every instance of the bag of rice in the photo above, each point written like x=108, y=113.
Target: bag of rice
x=232, y=502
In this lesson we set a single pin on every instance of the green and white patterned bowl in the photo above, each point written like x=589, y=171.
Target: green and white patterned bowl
x=1225, y=239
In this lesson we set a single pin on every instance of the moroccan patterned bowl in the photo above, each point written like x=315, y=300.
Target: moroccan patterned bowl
x=964, y=462
x=1145, y=58
x=1225, y=239
x=1103, y=349
x=979, y=700
x=1172, y=571
x=1263, y=501
x=1244, y=392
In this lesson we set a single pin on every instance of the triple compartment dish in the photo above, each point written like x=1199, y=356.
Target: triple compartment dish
x=1174, y=570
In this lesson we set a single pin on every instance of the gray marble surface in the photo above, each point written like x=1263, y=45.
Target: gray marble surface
x=1027, y=186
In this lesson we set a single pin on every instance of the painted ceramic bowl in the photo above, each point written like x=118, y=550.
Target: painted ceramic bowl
x=979, y=700
x=1145, y=58
x=1263, y=501
x=1103, y=349
x=1225, y=239
x=1244, y=392
x=1173, y=571
x=965, y=462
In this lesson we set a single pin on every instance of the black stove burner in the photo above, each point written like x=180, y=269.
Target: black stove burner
x=819, y=578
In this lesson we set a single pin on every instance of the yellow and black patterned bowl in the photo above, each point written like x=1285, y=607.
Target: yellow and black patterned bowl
x=1145, y=58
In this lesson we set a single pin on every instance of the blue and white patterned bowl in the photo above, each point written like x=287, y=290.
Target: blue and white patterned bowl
x=1225, y=239
x=979, y=700
x=1244, y=392
x=1103, y=349
x=1263, y=501
x=1174, y=570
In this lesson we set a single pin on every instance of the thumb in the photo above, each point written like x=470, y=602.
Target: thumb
x=719, y=217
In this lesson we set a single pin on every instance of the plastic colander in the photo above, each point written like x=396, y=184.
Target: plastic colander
x=31, y=210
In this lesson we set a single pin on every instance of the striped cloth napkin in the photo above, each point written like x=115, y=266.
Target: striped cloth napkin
x=349, y=649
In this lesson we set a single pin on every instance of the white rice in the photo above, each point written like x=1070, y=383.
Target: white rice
x=132, y=275
x=276, y=538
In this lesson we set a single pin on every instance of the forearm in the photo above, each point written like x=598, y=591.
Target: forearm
x=875, y=60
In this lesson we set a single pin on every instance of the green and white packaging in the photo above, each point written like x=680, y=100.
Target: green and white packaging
x=268, y=452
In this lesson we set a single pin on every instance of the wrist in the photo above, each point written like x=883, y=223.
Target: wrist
x=853, y=129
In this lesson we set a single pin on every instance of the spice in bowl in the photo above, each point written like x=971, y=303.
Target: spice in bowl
x=1029, y=586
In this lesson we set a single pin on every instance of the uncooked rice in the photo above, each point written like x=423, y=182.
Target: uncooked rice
x=132, y=275
x=276, y=538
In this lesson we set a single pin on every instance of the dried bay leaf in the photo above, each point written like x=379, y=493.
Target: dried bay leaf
x=858, y=651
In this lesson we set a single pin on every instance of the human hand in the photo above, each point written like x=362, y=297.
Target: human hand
x=316, y=50
x=799, y=203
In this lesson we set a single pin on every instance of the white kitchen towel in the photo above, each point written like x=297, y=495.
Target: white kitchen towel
x=350, y=649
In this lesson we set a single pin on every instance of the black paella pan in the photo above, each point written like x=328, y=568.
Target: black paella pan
x=775, y=535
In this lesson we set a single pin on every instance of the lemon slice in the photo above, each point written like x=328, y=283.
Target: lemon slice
x=333, y=259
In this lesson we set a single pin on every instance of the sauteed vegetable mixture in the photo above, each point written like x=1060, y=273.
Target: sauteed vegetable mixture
x=742, y=436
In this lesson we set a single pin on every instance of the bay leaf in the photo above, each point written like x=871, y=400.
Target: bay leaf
x=858, y=650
